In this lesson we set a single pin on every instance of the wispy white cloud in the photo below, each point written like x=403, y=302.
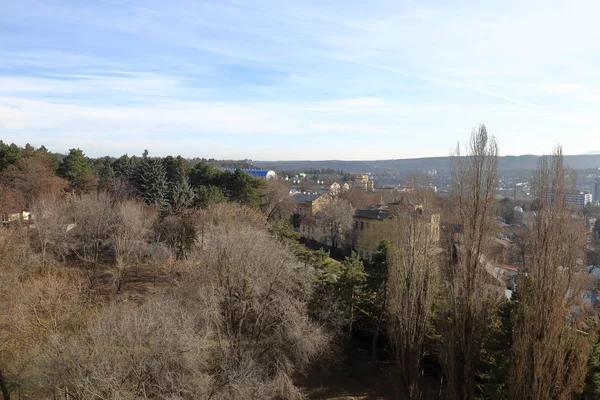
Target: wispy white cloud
x=231, y=77
x=446, y=82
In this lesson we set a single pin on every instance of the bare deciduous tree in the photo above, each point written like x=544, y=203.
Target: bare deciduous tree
x=91, y=215
x=359, y=198
x=179, y=233
x=413, y=274
x=469, y=297
x=34, y=177
x=334, y=219
x=550, y=349
x=275, y=201
x=254, y=295
x=50, y=225
x=130, y=232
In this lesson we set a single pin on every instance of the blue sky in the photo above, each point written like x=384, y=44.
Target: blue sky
x=299, y=79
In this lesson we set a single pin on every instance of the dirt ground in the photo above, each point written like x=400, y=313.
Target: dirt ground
x=361, y=380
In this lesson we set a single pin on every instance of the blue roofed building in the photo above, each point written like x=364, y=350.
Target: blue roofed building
x=259, y=173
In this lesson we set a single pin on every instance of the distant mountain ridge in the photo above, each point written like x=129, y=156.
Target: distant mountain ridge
x=505, y=163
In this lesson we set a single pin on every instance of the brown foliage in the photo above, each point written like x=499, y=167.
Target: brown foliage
x=360, y=198
x=11, y=201
x=34, y=177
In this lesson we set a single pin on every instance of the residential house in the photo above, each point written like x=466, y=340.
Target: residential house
x=306, y=207
x=373, y=224
x=365, y=182
x=14, y=217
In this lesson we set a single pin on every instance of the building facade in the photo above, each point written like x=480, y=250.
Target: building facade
x=375, y=223
x=579, y=199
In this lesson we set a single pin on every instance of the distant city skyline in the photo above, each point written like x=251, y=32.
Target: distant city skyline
x=293, y=80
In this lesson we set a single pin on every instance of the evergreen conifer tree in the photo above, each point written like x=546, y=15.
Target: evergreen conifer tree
x=151, y=182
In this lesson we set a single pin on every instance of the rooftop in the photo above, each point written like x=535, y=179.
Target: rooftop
x=255, y=172
x=302, y=198
x=374, y=213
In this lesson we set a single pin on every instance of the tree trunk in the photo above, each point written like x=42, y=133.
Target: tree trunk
x=375, y=337
x=3, y=387
x=378, y=324
x=350, y=329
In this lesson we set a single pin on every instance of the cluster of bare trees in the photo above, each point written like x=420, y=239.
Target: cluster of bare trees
x=233, y=323
x=453, y=297
x=95, y=229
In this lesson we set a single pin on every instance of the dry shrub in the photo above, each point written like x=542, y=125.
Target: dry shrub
x=178, y=232
x=253, y=296
x=93, y=216
x=14, y=252
x=41, y=308
x=231, y=215
x=49, y=232
x=157, y=350
x=129, y=235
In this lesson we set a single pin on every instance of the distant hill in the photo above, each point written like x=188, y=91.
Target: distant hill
x=506, y=163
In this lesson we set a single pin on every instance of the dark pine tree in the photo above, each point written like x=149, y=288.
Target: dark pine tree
x=151, y=182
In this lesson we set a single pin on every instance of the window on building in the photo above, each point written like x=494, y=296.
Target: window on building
x=362, y=225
